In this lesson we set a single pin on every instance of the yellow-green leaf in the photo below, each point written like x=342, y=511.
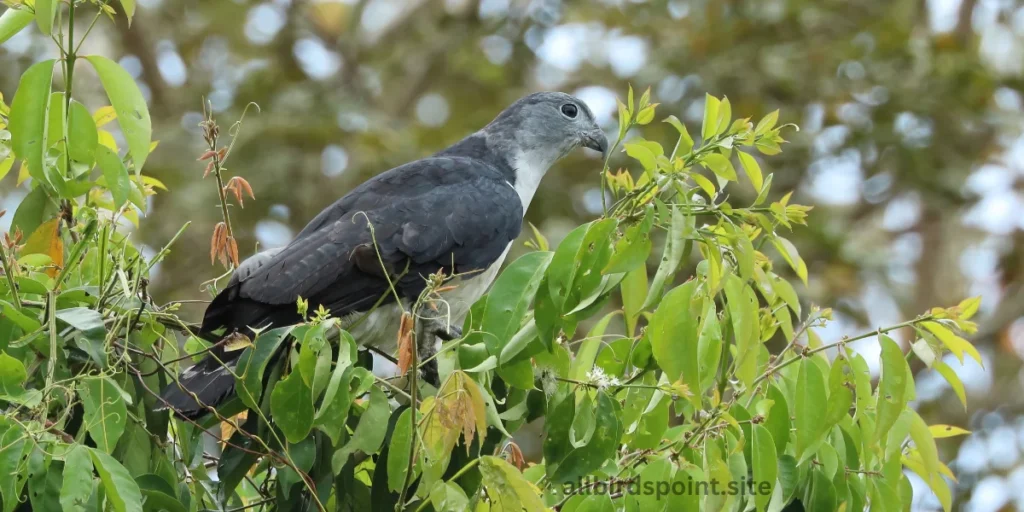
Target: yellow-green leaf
x=704, y=184
x=720, y=165
x=129, y=9
x=944, y=431
x=957, y=345
x=953, y=379
x=790, y=254
x=710, y=126
x=45, y=12
x=685, y=143
x=752, y=169
x=13, y=21
x=104, y=115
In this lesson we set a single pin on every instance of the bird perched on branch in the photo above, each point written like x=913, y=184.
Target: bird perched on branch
x=456, y=212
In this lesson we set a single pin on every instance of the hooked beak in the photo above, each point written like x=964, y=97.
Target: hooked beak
x=596, y=140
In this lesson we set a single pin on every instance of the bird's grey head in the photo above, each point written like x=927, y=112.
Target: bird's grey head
x=547, y=125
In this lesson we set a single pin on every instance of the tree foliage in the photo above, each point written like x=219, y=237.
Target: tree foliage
x=689, y=397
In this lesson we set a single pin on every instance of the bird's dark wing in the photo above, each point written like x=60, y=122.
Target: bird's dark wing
x=454, y=214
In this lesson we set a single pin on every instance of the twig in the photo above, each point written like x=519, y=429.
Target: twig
x=10, y=277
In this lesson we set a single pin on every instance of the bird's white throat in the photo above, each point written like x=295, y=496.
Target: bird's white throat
x=530, y=166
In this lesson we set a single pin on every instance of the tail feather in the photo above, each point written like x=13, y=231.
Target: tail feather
x=197, y=389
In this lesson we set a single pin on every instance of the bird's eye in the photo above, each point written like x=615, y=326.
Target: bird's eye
x=570, y=110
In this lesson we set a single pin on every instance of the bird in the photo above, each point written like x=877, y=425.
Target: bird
x=367, y=256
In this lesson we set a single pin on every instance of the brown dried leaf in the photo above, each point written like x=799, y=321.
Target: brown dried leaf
x=233, y=250
x=217, y=242
x=207, y=155
x=237, y=186
x=516, y=454
x=209, y=167
x=405, y=344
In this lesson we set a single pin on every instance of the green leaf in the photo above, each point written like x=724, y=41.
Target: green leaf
x=674, y=335
x=840, y=391
x=565, y=461
x=675, y=244
x=506, y=488
x=13, y=21
x=709, y=346
x=338, y=397
x=564, y=263
x=88, y=321
x=46, y=10
x=711, y=108
x=786, y=292
x=82, y=135
x=369, y=434
x=105, y=412
x=892, y=387
x=448, y=496
x=121, y=490
x=78, y=480
x=631, y=250
x=29, y=115
x=398, y=451
x=765, y=464
x=685, y=143
x=822, y=495
x=25, y=322
x=129, y=10
x=127, y=100
x=253, y=363
x=587, y=351
x=753, y=171
x=12, y=376
x=778, y=422
x=810, y=409
x=115, y=174
x=743, y=311
x=634, y=290
x=31, y=212
x=720, y=165
x=12, y=448
x=510, y=299
x=642, y=154
x=291, y=403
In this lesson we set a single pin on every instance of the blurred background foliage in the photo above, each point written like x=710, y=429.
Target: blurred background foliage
x=911, y=147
